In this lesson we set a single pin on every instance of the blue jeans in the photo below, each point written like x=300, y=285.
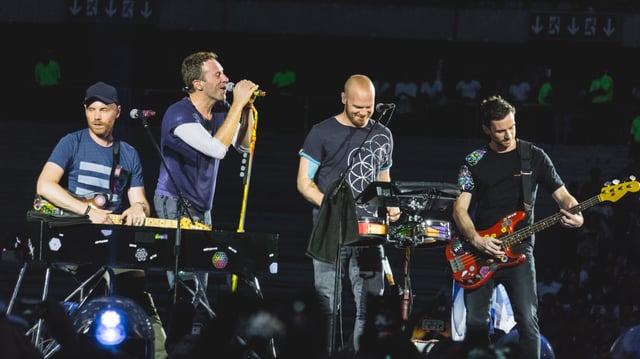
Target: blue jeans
x=364, y=267
x=520, y=284
x=167, y=207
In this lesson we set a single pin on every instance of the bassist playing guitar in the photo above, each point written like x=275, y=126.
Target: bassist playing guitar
x=492, y=181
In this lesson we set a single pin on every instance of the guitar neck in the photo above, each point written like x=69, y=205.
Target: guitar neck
x=518, y=236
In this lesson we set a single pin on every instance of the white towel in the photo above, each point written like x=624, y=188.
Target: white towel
x=501, y=312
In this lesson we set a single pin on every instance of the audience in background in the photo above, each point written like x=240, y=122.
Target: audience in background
x=406, y=93
x=432, y=88
x=601, y=94
x=48, y=77
x=468, y=89
x=285, y=82
x=384, y=92
x=519, y=89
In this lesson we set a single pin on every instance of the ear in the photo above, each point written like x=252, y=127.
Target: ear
x=195, y=85
x=486, y=130
x=343, y=97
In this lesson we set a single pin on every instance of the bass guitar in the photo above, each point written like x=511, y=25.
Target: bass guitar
x=472, y=268
x=98, y=200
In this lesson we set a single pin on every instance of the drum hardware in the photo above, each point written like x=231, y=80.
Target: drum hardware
x=441, y=189
x=414, y=199
x=426, y=196
x=410, y=197
x=379, y=194
x=420, y=232
x=372, y=231
x=413, y=204
x=407, y=290
x=417, y=232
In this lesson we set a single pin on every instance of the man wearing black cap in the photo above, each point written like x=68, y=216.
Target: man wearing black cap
x=100, y=172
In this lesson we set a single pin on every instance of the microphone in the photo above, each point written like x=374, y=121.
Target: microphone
x=382, y=107
x=257, y=93
x=135, y=113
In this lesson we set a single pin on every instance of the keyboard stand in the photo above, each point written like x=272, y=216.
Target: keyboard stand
x=37, y=332
x=198, y=294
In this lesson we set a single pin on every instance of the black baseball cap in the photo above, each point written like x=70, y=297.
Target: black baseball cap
x=102, y=92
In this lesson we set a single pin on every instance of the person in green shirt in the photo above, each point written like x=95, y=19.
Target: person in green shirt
x=601, y=96
x=47, y=72
x=48, y=76
x=601, y=89
x=284, y=80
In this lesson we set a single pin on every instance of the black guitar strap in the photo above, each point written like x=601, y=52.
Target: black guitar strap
x=116, y=163
x=524, y=150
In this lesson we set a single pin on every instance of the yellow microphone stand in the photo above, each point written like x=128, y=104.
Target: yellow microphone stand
x=248, y=162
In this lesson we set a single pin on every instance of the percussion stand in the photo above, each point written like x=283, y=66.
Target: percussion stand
x=407, y=293
x=409, y=246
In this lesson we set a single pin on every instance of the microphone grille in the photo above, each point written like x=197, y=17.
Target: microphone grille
x=135, y=113
x=230, y=86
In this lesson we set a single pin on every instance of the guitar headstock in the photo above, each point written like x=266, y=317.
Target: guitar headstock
x=617, y=189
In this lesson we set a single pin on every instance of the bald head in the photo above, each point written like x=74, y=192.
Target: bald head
x=359, y=83
x=358, y=99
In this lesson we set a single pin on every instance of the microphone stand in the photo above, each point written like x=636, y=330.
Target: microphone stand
x=338, y=264
x=182, y=208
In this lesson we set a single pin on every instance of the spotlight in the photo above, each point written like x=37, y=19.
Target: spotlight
x=116, y=324
x=110, y=328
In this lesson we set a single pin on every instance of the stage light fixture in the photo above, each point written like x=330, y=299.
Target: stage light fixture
x=116, y=324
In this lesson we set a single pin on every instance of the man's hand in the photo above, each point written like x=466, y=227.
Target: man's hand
x=393, y=214
x=134, y=215
x=571, y=220
x=488, y=245
x=99, y=216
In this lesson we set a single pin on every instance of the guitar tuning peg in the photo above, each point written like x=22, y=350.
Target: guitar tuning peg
x=616, y=181
x=607, y=183
x=632, y=177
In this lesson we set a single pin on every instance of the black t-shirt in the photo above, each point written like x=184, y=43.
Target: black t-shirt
x=333, y=146
x=495, y=182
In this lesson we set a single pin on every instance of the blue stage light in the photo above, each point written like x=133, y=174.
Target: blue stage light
x=110, y=328
x=116, y=324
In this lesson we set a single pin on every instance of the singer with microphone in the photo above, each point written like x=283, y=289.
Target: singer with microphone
x=196, y=133
x=339, y=158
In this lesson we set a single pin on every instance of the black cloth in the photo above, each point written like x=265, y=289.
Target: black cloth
x=337, y=223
